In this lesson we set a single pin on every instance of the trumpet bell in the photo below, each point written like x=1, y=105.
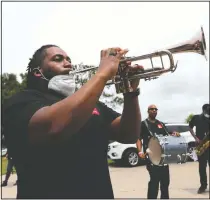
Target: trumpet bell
x=197, y=44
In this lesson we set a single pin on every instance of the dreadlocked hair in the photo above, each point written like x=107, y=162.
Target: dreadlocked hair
x=35, y=62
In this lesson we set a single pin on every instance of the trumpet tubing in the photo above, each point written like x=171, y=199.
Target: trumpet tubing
x=196, y=44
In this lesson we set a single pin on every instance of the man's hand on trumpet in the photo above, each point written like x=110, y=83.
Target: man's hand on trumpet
x=110, y=59
x=133, y=69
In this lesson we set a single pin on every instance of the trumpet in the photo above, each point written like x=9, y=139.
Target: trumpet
x=196, y=44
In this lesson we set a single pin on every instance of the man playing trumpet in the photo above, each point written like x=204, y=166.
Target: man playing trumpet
x=58, y=138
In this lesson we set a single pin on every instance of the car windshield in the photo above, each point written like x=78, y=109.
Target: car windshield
x=177, y=128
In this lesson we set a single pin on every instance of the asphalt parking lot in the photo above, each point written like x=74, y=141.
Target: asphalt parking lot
x=132, y=182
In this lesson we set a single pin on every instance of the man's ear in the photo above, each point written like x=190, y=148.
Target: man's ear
x=37, y=72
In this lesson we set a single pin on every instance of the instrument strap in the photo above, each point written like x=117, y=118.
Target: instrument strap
x=145, y=121
x=153, y=135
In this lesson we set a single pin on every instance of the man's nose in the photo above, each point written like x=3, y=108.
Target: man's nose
x=67, y=62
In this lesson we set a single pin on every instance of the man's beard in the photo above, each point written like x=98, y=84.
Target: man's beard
x=49, y=74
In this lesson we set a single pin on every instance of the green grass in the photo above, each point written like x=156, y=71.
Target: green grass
x=4, y=165
x=110, y=161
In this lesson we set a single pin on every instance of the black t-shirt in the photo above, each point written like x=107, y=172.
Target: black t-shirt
x=156, y=128
x=202, y=125
x=77, y=168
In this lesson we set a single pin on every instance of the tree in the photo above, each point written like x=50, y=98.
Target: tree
x=188, y=119
x=24, y=80
x=10, y=85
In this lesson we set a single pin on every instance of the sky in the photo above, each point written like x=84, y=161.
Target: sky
x=82, y=29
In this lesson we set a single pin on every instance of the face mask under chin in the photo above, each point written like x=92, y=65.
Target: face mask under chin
x=206, y=115
x=63, y=84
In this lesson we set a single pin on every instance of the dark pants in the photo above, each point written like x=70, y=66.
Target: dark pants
x=158, y=174
x=10, y=166
x=203, y=159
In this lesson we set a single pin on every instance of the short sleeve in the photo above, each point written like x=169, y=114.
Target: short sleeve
x=30, y=109
x=22, y=111
x=17, y=113
x=108, y=114
x=192, y=122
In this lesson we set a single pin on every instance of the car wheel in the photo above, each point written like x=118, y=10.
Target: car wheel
x=131, y=158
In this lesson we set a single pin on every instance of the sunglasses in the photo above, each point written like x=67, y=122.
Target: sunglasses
x=153, y=109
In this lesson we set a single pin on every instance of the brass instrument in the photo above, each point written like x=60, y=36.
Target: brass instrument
x=203, y=146
x=123, y=77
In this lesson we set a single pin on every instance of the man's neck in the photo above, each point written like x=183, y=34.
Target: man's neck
x=151, y=119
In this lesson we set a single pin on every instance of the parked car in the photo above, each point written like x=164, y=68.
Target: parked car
x=184, y=130
x=127, y=153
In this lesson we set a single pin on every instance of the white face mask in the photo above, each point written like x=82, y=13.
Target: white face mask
x=63, y=84
x=206, y=115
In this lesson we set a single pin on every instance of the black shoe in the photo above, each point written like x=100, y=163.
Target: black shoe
x=4, y=184
x=201, y=190
x=15, y=183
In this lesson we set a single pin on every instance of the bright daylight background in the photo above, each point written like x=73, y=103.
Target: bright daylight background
x=82, y=29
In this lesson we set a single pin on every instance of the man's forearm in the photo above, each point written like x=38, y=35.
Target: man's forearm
x=193, y=133
x=139, y=145
x=130, y=123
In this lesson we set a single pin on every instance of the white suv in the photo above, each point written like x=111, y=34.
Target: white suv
x=128, y=154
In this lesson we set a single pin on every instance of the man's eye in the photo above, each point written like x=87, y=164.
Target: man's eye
x=58, y=58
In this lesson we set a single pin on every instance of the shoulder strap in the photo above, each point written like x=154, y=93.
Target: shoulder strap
x=145, y=121
x=163, y=127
